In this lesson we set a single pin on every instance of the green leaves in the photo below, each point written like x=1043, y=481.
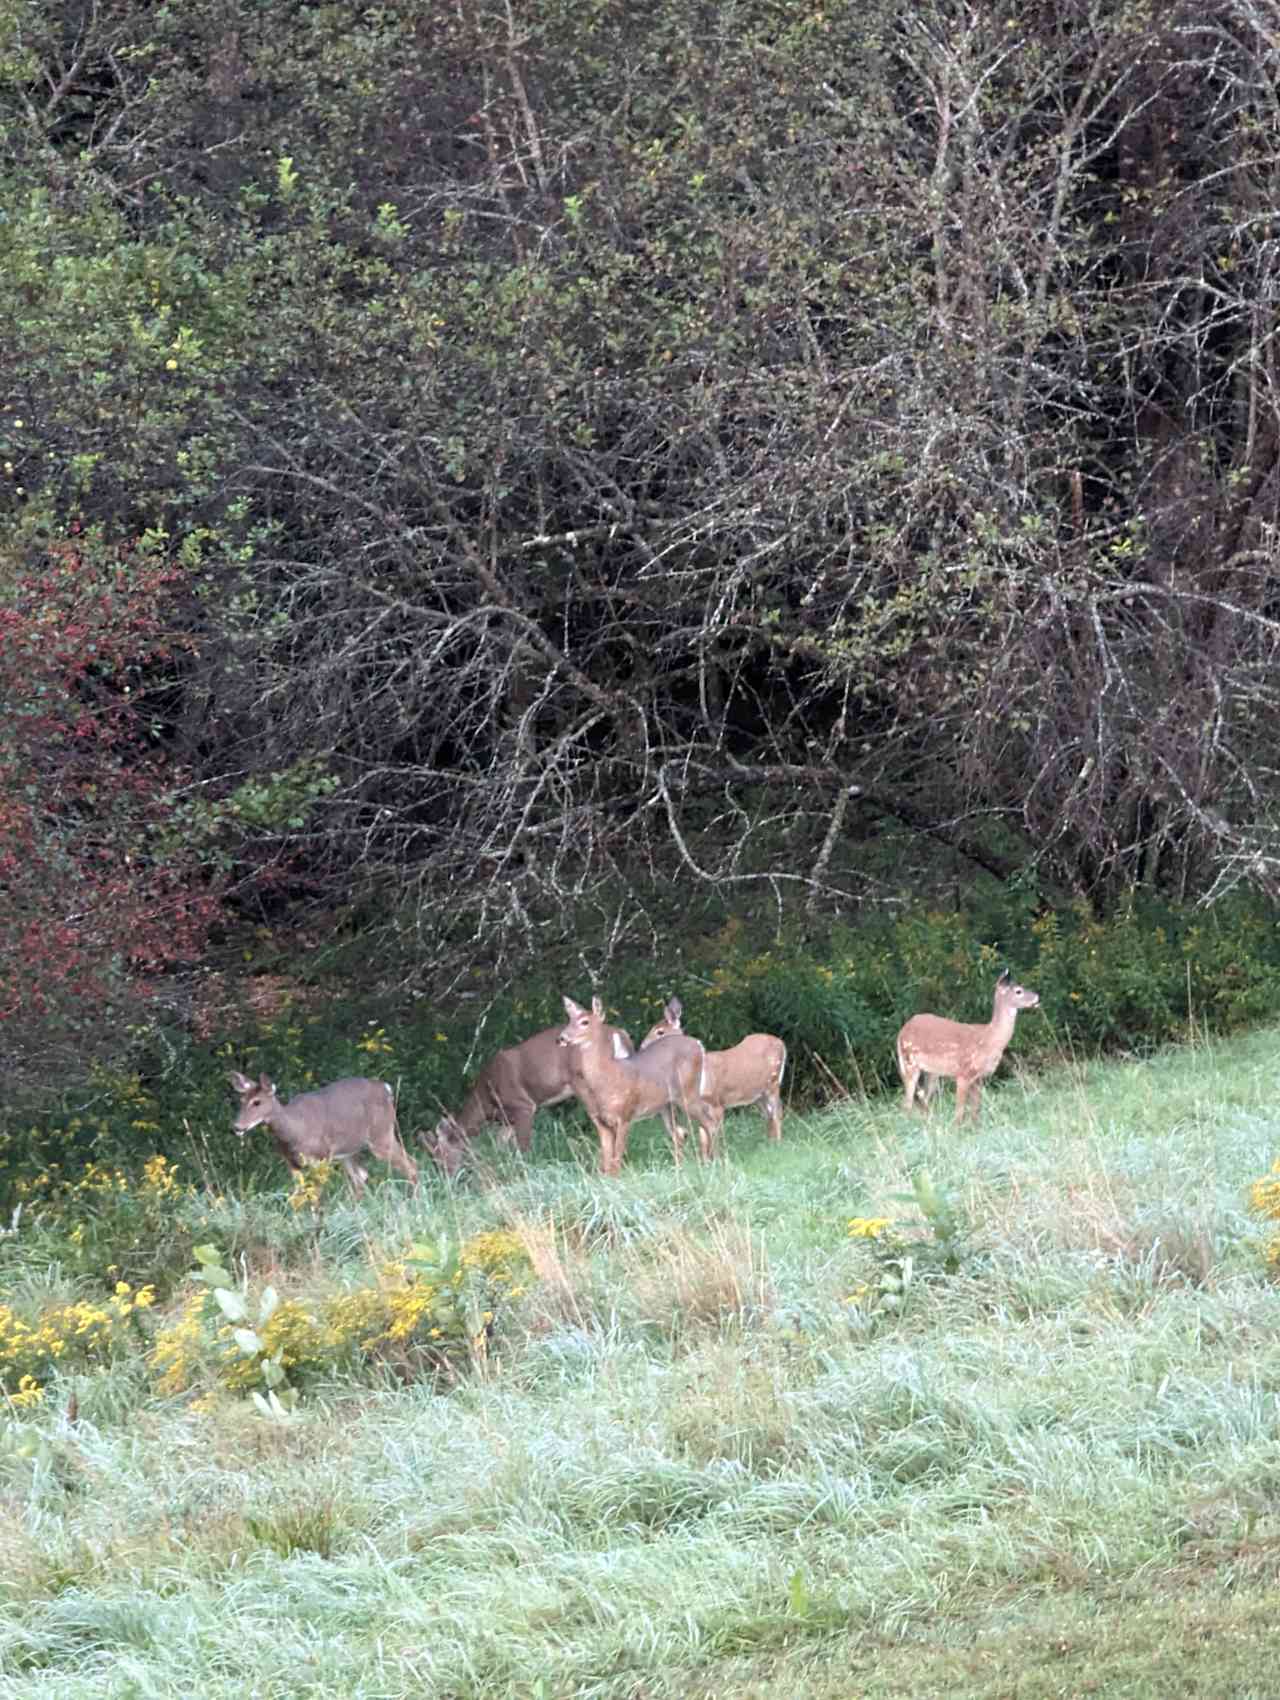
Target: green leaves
x=235, y=1305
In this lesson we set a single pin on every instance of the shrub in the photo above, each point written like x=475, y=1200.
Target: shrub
x=57, y=1336
x=107, y=1223
x=933, y=1244
x=424, y=1314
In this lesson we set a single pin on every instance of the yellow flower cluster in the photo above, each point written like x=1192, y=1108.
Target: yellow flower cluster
x=65, y=1334
x=29, y=1392
x=731, y=978
x=357, y=1315
x=177, y=1349
x=308, y=1184
x=500, y=1254
x=1264, y=1201
x=51, y=1190
x=160, y=1177
x=403, y=1316
x=1264, y=1194
x=291, y=1335
x=868, y=1227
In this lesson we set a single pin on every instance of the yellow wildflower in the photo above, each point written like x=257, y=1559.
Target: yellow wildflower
x=868, y=1227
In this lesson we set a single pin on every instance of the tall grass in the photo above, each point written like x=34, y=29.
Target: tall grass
x=691, y=1456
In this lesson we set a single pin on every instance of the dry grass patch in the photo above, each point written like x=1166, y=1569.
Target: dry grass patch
x=725, y=1406
x=1104, y=1215
x=687, y=1282
x=562, y=1290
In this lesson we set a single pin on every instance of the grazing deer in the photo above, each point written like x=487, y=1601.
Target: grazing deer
x=336, y=1121
x=965, y=1051
x=510, y=1089
x=749, y=1073
x=617, y=1091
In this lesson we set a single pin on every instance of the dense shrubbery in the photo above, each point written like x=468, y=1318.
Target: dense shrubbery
x=417, y=1315
x=1146, y=976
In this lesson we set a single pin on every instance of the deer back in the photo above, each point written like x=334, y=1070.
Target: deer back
x=333, y=1121
x=965, y=1050
x=738, y=1076
x=940, y=1046
x=747, y=1071
x=670, y=1071
x=536, y=1072
x=611, y=1087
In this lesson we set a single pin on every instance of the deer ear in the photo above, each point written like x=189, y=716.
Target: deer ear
x=597, y=1008
x=673, y=1009
x=571, y=1009
x=239, y=1081
x=264, y=1080
x=1004, y=978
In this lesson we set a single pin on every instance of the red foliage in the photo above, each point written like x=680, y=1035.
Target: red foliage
x=97, y=893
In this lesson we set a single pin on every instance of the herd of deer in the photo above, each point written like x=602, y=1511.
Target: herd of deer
x=669, y=1075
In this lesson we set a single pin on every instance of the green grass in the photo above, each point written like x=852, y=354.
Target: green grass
x=686, y=1465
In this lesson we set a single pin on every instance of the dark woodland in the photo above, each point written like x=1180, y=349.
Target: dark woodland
x=468, y=465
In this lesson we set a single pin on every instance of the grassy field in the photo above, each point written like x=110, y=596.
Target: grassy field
x=715, y=1443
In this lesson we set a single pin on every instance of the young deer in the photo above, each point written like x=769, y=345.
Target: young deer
x=510, y=1088
x=749, y=1073
x=618, y=1091
x=930, y=1045
x=336, y=1121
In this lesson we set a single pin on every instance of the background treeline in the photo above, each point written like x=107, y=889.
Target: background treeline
x=487, y=473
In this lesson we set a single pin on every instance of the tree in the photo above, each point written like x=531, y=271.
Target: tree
x=100, y=893
x=618, y=448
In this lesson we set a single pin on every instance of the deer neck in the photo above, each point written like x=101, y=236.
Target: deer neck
x=1003, y=1016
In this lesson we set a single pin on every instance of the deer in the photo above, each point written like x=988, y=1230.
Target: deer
x=335, y=1121
x=750, y=1072
x=964, y=1051
x=617, y=1091
x=509, y=1090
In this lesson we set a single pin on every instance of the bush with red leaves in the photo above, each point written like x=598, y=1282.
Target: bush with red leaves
x=99, y=894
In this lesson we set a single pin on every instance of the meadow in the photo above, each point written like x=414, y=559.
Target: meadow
x=889, y=1409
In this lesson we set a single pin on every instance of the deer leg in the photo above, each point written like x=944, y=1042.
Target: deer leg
x=520, y=1124
x=389, y=1149
x=910, y=1080
x=355, y=1174
x=610, y=1159
x=710, y=1121
x=621, y=1131
x=963, y=1087
x=401, y=1161
x=676, y=1133
x=771, y=1104
x=286, y=1151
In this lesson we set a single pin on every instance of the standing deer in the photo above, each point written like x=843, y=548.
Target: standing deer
x=510, y=1088
x=335, y=1121
x=748, y=1073
x=965, y=1051
x=617, y=1091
